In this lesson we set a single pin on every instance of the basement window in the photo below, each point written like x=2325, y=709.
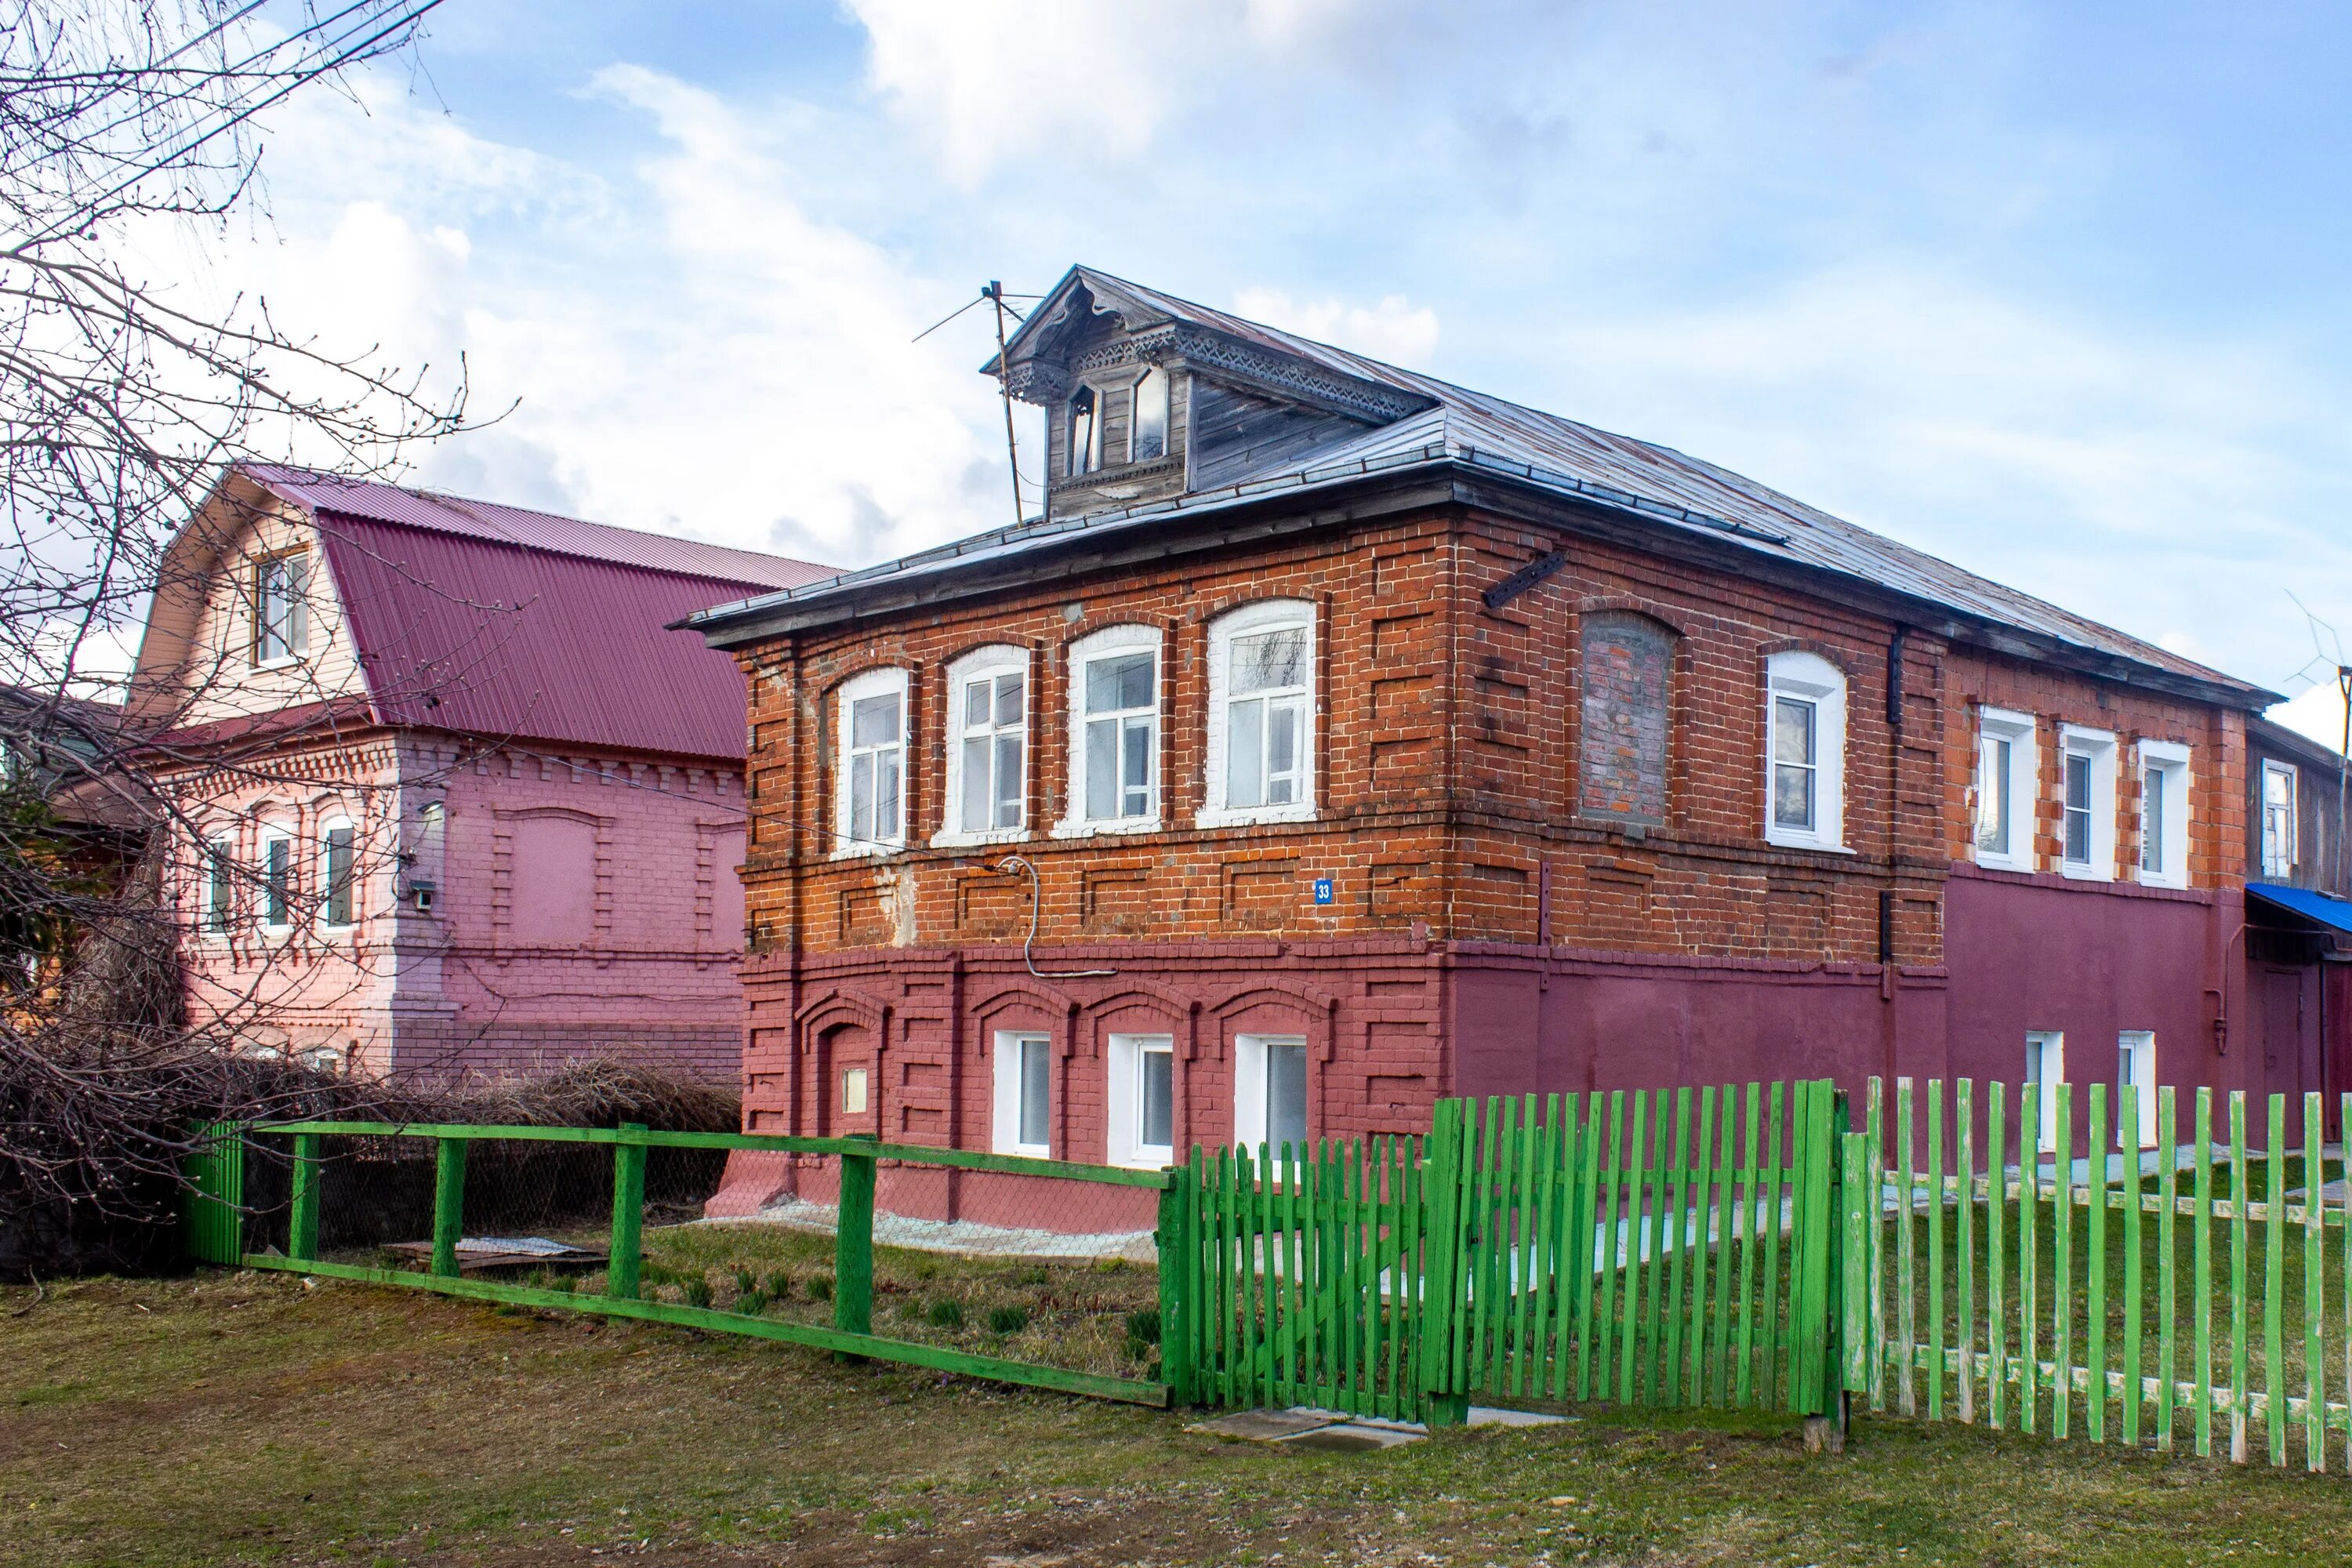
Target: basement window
x=1142, y=1101
x=1025, y=1096
x=1270, y=1091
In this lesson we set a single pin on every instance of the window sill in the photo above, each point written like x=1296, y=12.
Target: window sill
x=1793, y=841
x=975, y=841
x=1090, y=829
x=2017, y=863
x=866, y=851
x=1150, y=1157
x=1252, y=815
x=287, y=662
x=2170, y=884
x=1027, y=1150
x=2085, y=874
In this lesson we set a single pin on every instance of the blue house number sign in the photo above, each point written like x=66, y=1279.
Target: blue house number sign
x=1323, y=894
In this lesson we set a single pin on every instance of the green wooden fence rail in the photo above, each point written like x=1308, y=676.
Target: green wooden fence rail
x=2103, y=1280
x=213, y=1228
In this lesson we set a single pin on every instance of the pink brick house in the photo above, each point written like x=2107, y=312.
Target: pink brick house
x=449, y=797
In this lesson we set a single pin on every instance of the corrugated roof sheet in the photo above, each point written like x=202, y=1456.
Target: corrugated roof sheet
x=1551, y=453
x=492, y=620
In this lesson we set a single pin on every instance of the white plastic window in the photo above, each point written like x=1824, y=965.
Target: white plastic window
x=1025, y=1096
x=1261, y=743
x=987, y=747
x=338, y=873
x=1114, y=732
x=2007, y=765
x=2087, y=823
x=1141, y=1100
x=281, y=610
x=2164, y=814
x=2136, y=1083
x=870, y=799
x=2045, y=1065
x=2278, y=820
x=276, y=878
x=1269, y=1092
x=1804, y=803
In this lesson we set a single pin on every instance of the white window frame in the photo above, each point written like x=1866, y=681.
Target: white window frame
x=1111, y=642
x=296, y=566
x=265, y=890
x=1808, y=677
x=2280, y=859
x=216, y=883
x=872, y=683
x=2098, y=747
x=2168, y=761
x=2045, y=1065
x=2135, y=1074
x=1010, y=1047
x=1250, y=1074
x=1266, y=615
x=327, y=827
x=2021, y=733
x=1124, y=1100
x=984, y=664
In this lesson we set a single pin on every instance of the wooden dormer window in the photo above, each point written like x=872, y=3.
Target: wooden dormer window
x=281, y=612
x=1148, y=439
x=1085, y=432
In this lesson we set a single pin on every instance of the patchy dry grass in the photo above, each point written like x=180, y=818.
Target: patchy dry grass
x=246, y=1418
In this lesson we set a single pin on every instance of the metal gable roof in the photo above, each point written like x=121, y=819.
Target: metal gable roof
x=1541, y=450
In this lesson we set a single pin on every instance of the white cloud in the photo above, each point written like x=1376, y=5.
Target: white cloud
x=1391, y=328
x=2317, y=712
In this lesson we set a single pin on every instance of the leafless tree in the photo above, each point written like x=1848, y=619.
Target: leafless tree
x=124, y=399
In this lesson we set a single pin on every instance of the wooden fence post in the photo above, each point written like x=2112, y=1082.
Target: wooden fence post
x=302, y=1212
x=624, y=1266
x=852, y=1265
x=1175, y=1239
x=1446, y=1400
x=1857, y=1345
x=448, y=1205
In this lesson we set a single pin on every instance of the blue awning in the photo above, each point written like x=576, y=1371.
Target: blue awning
x=2325, y=908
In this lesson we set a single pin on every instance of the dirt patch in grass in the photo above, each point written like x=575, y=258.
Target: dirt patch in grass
x=250, y=1419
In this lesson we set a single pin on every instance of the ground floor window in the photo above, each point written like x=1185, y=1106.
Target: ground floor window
x=1023, y=1094
x=2135, y=1082
x=2045, y=1066
x=1269, y=1090
x=1142, y=1101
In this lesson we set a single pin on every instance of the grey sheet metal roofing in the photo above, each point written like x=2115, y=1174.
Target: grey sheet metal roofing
x=1471, y=429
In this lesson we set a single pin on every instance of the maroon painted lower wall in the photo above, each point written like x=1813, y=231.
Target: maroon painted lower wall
x=1394, y=1023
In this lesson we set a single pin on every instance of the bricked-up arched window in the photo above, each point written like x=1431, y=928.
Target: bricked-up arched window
x=1627, y=670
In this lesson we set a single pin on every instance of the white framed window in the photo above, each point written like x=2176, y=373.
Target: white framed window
x=2278, y=819
x=870, y=782
x=1270, y=1091
x=1114, y=732
x=2163, y=814
x=218, y=870
x=276, y=878
x=338, y=873
x=1804, y=753
x=1085, y=431
x=1261, y=743
x=2045, y=1065
x=1024, y=1094
x=281, y=608
x=2135, y=1082
x=2086, y=833
x=1141, y=1101
x=2008, y=768
x=987, y=747
x=1148, y=437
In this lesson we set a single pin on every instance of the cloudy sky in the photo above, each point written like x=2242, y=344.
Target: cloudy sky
x=2058, y=292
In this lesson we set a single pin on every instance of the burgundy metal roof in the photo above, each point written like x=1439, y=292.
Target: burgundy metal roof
x=492, y=620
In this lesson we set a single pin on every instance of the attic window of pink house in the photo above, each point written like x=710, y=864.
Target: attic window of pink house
x=281, y=610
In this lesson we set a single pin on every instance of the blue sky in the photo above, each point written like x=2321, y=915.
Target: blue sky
x=2056, y=292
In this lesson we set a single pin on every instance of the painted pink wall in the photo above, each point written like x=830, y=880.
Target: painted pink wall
x=585, y=905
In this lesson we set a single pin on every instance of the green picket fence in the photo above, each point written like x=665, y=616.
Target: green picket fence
x=2101, y=1279
x=1671, y=1248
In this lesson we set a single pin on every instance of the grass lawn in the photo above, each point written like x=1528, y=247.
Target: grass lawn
x=233, y=1419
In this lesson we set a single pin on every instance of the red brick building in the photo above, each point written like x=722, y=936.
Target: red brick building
x=1364, y=740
